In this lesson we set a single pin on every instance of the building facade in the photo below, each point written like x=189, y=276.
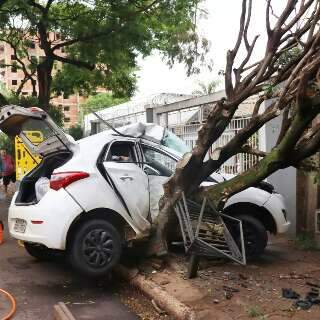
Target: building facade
x=12, y=77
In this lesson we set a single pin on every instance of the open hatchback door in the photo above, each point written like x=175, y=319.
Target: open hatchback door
x=34, y=125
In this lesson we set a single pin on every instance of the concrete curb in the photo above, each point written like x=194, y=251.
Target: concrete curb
x=168, y=303
x=61, y=312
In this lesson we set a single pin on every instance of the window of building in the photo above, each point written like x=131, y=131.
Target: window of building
x=58, y=36
x=66, y=108
x=13, y=57
x=65, y=96
x=14, y=82
x=66, y=119
x=62, y=50
x=13, y=69
x=1, y=48
x=24, y=93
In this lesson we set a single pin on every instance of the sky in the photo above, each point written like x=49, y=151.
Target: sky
x=220, y=28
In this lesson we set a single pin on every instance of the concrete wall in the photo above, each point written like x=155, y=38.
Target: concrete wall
x=284, y=181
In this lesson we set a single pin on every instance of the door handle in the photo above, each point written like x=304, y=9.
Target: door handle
x=124, y=178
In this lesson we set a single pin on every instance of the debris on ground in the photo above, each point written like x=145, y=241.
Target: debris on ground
x=312, y=298
x=225, y=290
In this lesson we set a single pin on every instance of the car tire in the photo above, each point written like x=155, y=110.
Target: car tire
x=95, y=248
x=43, y=253
x=255, y=235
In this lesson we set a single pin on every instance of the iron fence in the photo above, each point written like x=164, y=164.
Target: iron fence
x=235, y=165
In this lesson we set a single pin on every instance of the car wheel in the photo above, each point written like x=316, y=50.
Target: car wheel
x=95, y=248
x=255, y=235
x=43, y=253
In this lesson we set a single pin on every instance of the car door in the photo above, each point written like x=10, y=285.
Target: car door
x=159, y=166
x=129, y=180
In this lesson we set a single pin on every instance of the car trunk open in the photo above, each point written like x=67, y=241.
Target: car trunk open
x=42, y=137
x=15, y=120
x=27, y=192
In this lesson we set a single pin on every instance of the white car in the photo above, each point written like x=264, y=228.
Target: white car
x=92, y=197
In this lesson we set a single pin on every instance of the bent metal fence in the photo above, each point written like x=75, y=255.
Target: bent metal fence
x=208, y=232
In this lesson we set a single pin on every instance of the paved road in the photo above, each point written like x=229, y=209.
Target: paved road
x=37, y=286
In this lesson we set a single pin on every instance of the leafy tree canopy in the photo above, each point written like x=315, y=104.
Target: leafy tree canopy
x=100, y=40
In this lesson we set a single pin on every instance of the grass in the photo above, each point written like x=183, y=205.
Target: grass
x=254, y=312
x=305, y=241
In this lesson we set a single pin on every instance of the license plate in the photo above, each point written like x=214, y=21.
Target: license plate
x=20, y=226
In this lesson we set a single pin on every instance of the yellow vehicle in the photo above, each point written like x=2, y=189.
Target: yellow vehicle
x=25, y=160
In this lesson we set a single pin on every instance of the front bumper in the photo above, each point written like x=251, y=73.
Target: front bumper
x=56, y=210
x=276, y=206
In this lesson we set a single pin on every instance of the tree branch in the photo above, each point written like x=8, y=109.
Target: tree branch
x=106, y=32
x=249, y=150
x=78, y=63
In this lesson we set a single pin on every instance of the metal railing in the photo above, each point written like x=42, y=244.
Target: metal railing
x=235, y=165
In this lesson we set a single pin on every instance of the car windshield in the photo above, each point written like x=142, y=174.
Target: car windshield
x=171, y=141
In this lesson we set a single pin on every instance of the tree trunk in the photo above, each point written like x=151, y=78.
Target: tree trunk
x=44, y=76
x=186, y=179
x=3, y=100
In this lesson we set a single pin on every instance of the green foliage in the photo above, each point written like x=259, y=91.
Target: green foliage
x=76, y=132
x=28, y=101
x=287, y=56
x=101, y=101
x=6, y=143
x=306, y=241
x=104, y=39
x=254, y=312
x=206, y=89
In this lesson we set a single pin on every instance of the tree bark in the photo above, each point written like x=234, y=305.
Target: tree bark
x=44, y=77
x=3, y=100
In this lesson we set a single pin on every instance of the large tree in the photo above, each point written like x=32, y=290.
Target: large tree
x=288, y=75
x=100, y=40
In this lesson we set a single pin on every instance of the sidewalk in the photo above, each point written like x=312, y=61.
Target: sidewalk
x=224, y=290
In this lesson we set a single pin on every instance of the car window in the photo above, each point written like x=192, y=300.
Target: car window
x=122, y=151
x=159, y=161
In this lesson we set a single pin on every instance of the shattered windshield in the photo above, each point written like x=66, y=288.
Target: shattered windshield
x=171, y=141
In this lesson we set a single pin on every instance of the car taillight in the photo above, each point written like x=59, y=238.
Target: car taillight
x=63, y=179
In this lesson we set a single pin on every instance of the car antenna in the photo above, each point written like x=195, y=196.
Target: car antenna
x=110, y=126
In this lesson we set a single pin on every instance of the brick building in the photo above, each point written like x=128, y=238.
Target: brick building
x=12, y=77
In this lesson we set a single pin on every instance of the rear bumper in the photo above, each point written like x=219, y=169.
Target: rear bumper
x=276, y=206
x=56, y=210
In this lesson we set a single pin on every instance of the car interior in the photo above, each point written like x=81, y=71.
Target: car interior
x=121, y=152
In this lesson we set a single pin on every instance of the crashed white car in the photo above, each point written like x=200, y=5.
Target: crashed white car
x=92, y=197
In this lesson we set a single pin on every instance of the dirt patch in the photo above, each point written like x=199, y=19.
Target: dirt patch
x=225, y=290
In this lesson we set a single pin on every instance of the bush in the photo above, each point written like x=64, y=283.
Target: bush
x=306, y=241
x=76, y=132
x=7, y=143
